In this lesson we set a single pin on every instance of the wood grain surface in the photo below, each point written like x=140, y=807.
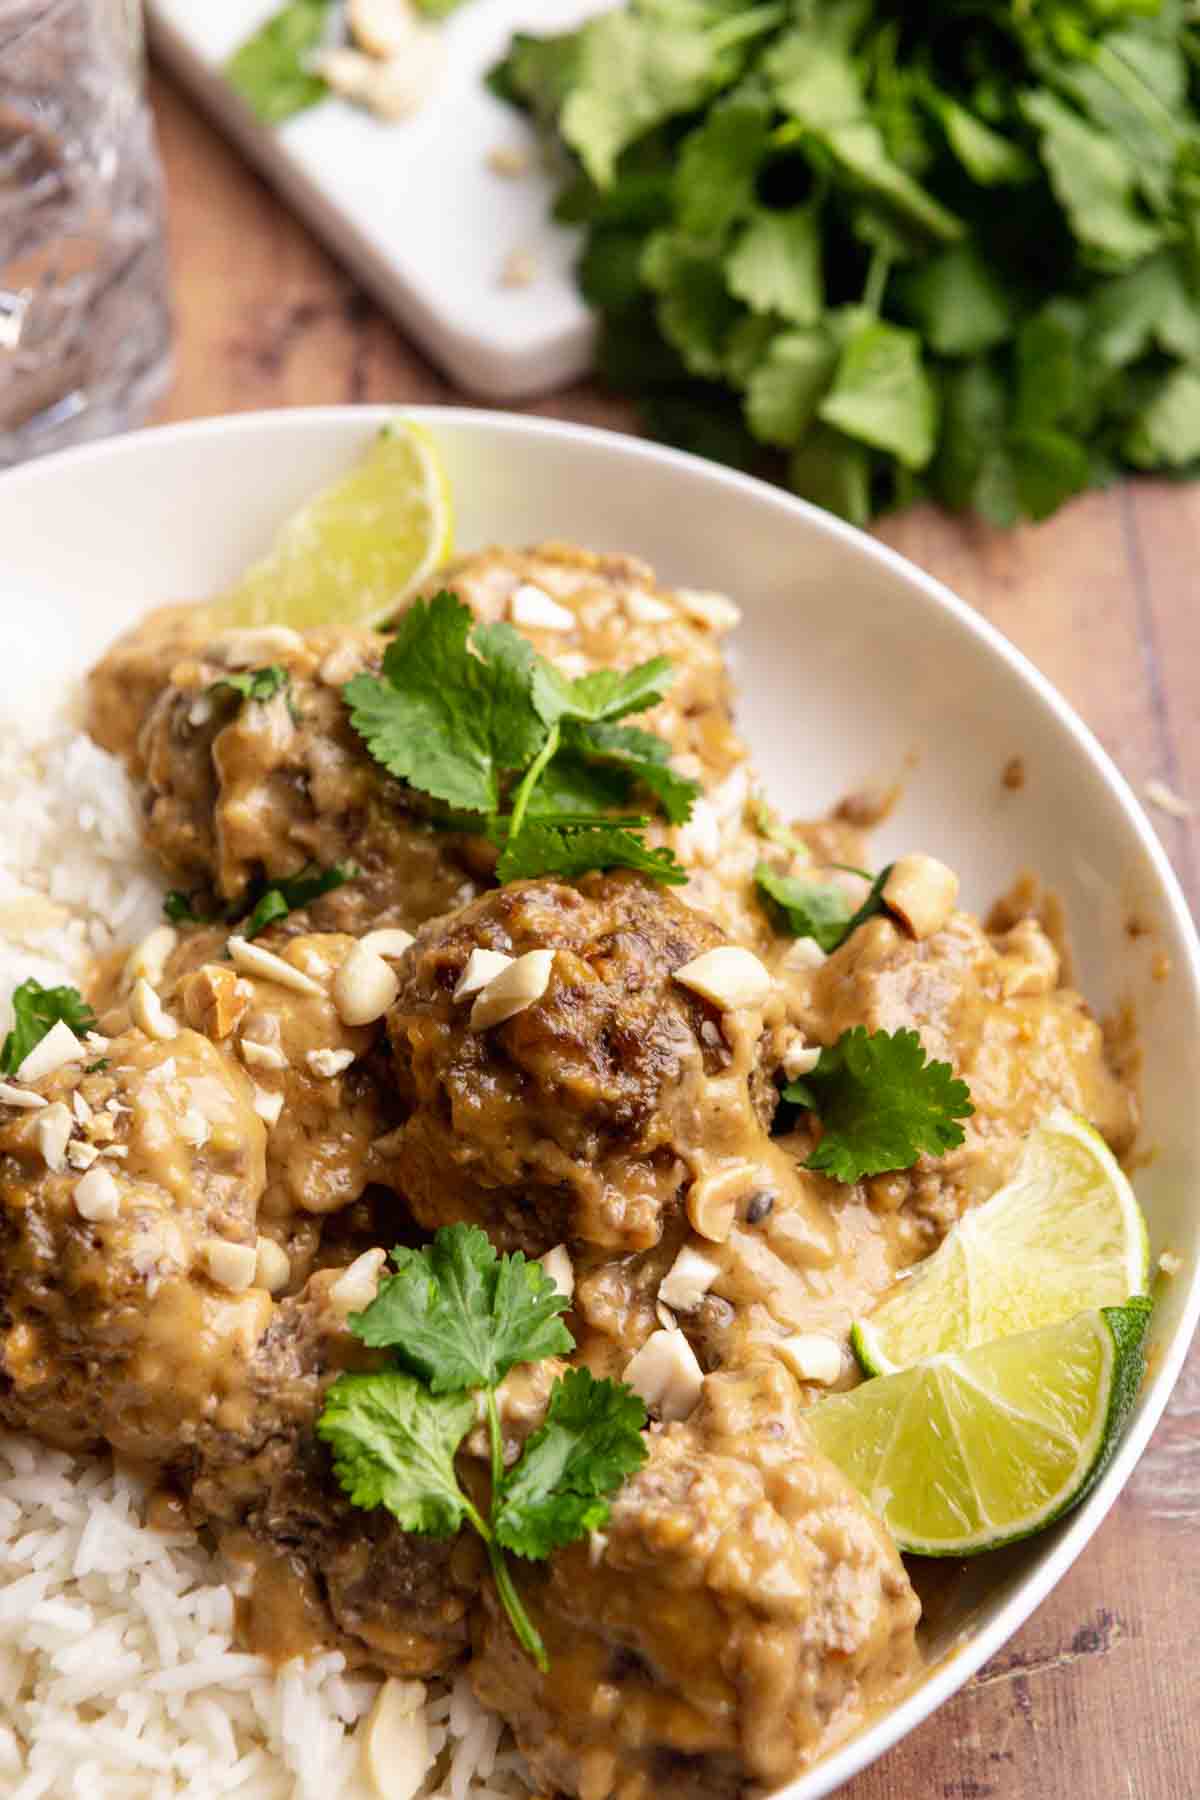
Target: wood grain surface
x=1098, y=1698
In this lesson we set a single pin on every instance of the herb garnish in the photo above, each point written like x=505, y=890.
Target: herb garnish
x=35, y=1010
x=471, y=715
x=263, y=903
x=254, y=684
x=295, y=892
x=178, y=907
x=880, y=1103
x=456, y=1318
x=818, y=909
x=890, y=250
x=270, y=70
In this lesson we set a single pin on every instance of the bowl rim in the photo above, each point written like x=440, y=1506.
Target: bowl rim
x=954, y=1668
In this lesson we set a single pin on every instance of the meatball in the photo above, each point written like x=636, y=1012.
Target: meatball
x=991, y=1006
x=118, y=1328
x=315, y=1079
x=741, y=1611
x=237, y=788
x=584, y=1116
x=124, y=685
x=383, y=1596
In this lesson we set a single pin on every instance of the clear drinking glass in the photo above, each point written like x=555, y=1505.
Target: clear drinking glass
x=84, y=314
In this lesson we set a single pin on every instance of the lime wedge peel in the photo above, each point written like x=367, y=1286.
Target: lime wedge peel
x=1064, y=1236
x=353, y=553
x=967, y=1452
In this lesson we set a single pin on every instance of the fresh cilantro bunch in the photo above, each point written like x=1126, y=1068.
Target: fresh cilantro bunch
x=456, y=1319
x=885, y=250
x=881, y=1104
x=35, y=1010
x=471, y=716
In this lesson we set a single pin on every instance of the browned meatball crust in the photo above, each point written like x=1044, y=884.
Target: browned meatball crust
x=579, y=1118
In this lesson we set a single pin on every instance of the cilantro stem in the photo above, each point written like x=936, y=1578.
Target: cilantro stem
x=877, y=278
x=531, y=778
x=527, y=1632
x=528, y=1635
x=497, y=1443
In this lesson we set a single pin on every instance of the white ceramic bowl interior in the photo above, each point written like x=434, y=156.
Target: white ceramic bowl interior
x=854, y=667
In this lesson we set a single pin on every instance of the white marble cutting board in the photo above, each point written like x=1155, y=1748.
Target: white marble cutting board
x=413, y=206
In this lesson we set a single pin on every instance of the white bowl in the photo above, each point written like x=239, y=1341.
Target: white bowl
x=854, y=666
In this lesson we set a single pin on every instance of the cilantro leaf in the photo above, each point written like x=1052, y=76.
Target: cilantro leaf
x=695, y=310
x=1155, y=305
x=881, y=1104
x=815, y=78
x=775, y=266
x=833, y=471
x=785, y=388
x=643, y=757
x=882, y=394
x=960, y=303
x=393, y=1445
x=718, y=162
x=459, y=1316
x=988, y=157
x=816, y=910
x=590, y=1441
x=270, y=70
x=634, y=72
x=538, y=73
x=873, y=904
x=1166, y=430
x=462, y=711
x=178, y=908
x=445, y=718
x=1096, y=182
x=603, y=696
x=543, y=847
x=295, y=892
x=254, y=684
x=35, y=1010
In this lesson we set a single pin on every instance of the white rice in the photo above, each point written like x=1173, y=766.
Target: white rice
x=120, y=1678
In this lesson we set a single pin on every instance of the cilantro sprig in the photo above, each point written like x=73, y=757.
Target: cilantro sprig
x=35, y=1010
x=264, y=903
x=456, y=1318
x=881, y=1104
x=473, y=717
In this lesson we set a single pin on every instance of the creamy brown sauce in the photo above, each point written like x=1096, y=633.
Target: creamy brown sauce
x=743, y=1611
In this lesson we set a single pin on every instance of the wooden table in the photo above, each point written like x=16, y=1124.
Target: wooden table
x=1099, y=1697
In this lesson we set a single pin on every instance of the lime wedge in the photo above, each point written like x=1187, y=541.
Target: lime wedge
x=356, y=550
x=1064, y=1235
x=967, y=1452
